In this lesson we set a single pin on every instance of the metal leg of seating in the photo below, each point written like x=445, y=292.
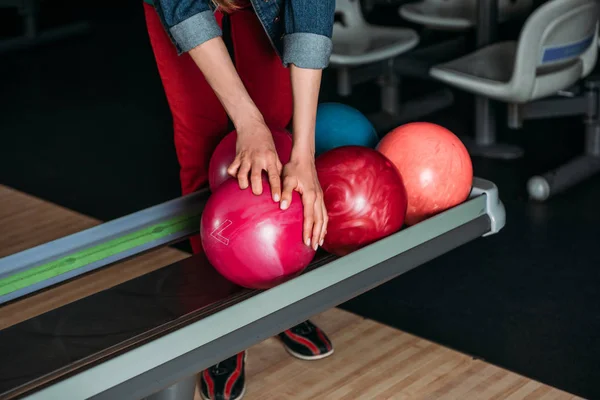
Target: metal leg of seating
x=389, y=85
x=581, y=168
x=484, y=144
x=394, y=113
x=344, y=82
x=415, y=64
x=29, y=11
x=32, y=36
x=182, y=390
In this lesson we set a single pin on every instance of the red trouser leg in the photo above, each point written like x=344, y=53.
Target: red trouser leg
x=199, y=120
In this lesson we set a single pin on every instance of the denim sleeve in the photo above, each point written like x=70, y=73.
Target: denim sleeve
x=189, y=23
x=308, y=30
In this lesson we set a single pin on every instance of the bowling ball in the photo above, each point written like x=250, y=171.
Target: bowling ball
x=225, y=152
x=250, y=240
x=364, y=196
x=341, y=125
x=434, y=164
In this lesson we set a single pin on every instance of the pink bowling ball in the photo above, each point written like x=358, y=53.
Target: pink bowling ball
x=250, y=240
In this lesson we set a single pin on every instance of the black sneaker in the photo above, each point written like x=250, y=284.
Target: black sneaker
x=226, y=380
x=307, y=342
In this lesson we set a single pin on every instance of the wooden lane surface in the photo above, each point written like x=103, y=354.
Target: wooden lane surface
x=371, y=361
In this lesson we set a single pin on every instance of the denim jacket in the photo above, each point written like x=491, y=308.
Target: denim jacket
x=300, y=30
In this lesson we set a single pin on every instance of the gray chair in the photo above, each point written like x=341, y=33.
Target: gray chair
x=458, y=15
x=356, y=42
x=363, y=52
x=557, y=47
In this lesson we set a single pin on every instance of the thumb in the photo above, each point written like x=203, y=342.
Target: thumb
x=289, y=185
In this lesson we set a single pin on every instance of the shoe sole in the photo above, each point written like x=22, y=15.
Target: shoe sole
x=308, y=358
x=240, y=397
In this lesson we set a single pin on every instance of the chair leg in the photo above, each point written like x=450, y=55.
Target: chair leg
x=484, y=144
x=394, y=113
x=390, y=93
x=29, y=12
x=344, y=82
x=582, y=167
x=182, y=390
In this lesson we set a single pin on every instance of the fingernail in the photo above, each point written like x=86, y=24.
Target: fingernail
x=307, y=242
x=284, y=204
x=316, y=247
x=321, y=242
x=276, y=197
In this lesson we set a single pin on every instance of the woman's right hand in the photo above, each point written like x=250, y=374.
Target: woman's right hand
x=255, y=153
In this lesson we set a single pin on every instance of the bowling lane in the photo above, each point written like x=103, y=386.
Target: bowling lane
x=28, y=221
x=420, y=368
x=97, y=315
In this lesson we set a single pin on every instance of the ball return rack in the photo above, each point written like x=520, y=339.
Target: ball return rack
x=147, y=338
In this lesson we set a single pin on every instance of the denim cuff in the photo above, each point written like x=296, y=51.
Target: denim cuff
x=307, y=50
x=195, y=30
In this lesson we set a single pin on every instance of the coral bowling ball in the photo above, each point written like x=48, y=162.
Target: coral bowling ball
x=434, y=164
x=364, y=196
x=250, y=240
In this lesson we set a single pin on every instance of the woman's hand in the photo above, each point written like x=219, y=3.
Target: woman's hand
x=300, y=175
x=255, y=153
x=255, y=148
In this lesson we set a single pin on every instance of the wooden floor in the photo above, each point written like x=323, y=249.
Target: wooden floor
x=371, y=361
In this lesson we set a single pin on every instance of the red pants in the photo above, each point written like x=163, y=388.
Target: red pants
x=199, y=119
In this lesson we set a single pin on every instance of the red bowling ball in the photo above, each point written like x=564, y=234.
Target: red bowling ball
x=225, y=152
x=250, y=240
x=434, y=164
x=364, y=196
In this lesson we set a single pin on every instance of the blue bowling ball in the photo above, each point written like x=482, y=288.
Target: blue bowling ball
x=341, y=125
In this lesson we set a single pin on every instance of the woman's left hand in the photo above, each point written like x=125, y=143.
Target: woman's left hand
x=301, y=175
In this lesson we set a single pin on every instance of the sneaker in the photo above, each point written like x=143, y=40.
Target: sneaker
x=226, y=380
x=306, y=342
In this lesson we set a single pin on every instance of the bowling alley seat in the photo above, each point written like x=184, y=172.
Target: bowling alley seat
x=458, y=15
x=534, y=75
x=363, y=52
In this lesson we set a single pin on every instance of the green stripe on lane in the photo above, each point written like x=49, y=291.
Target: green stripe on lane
x=85, y=257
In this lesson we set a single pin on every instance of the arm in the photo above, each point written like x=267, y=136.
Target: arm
x=194, y=29
x=255, y=148
x=215, y=63
x=307, y=48
x=305, y=86
x=300, y=174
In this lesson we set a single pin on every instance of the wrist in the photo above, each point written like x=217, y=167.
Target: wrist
x=302, y=154
x=246, y=116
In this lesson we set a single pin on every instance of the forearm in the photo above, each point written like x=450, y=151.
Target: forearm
x=215, y=63
x=305, y=87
